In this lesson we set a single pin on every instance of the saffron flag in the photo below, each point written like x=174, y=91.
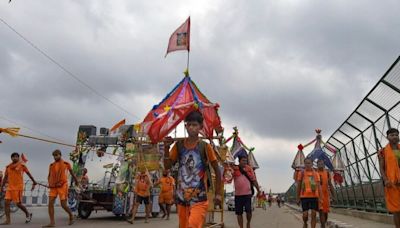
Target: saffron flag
x=12, y=131
x=24, y=159
x=117, y=126
x=180, y=39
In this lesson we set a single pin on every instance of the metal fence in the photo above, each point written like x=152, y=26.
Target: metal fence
x=359, y=139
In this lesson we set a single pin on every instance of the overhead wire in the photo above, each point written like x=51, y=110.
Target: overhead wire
x=30, y=129
x=68, y=72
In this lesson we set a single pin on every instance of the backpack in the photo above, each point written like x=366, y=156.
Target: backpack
x=249, y=179
x=204, y=159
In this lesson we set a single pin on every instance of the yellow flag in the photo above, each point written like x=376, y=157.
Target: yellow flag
x=12, y=131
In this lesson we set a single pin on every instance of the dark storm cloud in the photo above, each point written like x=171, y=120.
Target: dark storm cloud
x=295, y=66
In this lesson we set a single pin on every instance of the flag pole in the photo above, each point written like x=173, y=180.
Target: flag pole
x=187, y=64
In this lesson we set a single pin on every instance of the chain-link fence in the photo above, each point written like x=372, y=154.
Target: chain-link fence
x=359, y=139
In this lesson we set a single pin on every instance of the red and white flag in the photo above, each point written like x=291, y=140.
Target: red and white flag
x=117, y=126
x=180, y=39
x=24, y=159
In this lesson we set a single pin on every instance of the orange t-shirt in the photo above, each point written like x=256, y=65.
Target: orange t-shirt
x=15, y=174
x=173, y=154
x=58, y=173
x=142, y=186
x=167, y=184
x=324, y=179
x=309, y=183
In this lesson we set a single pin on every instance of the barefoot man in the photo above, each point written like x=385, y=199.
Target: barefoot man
x=389, y=160
x=166, y=199
x=326, y=187
x=308, y=192
x=58, y=184
x=142, y=195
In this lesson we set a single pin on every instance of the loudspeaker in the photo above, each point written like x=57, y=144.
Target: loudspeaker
x=104, y=131
x=106, y=140
x=102, y=140
x=88, y=129
x=128, y=130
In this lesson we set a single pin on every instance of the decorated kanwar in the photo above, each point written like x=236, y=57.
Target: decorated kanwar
x=314, y=184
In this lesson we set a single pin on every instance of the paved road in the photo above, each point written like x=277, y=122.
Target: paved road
x=272, y=217
x=345, y=220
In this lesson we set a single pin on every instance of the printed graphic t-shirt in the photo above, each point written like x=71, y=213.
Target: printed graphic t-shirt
x=310, y=182
x=191, y=186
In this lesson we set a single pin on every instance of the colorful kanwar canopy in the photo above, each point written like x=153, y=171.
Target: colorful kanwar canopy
x=317, y=153
x=298, y=161
x=239, y=149
x=183, y=99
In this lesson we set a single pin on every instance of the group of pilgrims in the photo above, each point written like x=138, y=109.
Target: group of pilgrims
x=314, y=189
x=190, y=195
x=13, y=184
x=57, y=184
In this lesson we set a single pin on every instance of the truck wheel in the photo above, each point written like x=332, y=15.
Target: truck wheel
x=84, y=210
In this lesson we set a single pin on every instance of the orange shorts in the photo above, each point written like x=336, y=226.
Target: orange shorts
x=14, y=195
x=61, y=192
x=392, y=196
x=325, y=204
x=192, y=216
x=166, y=197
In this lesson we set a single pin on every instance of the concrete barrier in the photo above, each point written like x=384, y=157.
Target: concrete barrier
x=376, y=217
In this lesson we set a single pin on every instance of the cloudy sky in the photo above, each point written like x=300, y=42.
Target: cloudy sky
x=279, y=69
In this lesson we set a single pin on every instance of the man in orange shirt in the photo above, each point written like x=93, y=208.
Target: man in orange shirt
x=389, y=161
x=167, y=184
x=194, y=157
x=58, y=184
x=308, y=192
x=326, y=187
x=142, y=195
x=14, y=176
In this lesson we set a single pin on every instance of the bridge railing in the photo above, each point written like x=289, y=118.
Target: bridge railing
x=358, y=140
